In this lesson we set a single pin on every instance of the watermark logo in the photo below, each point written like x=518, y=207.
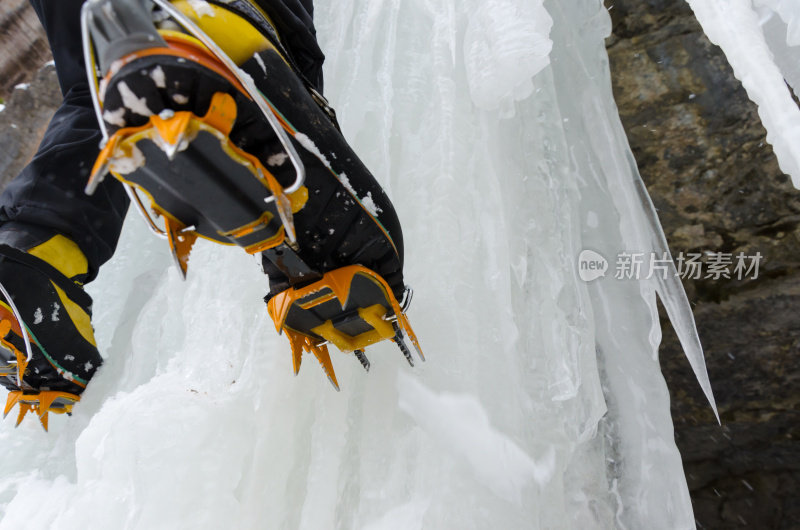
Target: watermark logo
x=691, y=265
x=591, y=265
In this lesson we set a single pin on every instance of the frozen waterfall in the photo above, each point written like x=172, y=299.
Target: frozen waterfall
x=492, y=125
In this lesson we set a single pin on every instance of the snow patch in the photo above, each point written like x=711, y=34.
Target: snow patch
x=260, y=62
x=346, y=183
x=202, y=8
x=135, y=104
x=128, y=164
x=102, y=86
x=115, y=117
x=370, y=205
x=278, y=159
x=115, y=67
x=158, y=77
x=367, y=202
x=311, y=147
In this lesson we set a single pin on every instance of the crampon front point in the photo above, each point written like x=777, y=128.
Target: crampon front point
x=351, y=308
x=40, y=404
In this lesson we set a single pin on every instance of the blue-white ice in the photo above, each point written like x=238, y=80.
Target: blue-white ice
x=491, y=124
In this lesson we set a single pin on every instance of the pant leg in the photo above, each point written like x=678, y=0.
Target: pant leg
x=48, y=194
x=295, y=24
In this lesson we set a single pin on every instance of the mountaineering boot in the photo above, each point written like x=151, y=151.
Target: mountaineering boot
x=47, y=348
x=205, y=112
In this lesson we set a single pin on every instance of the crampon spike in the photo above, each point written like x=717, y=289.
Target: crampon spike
x=181, y=241
x=44, y=419
x=298, y=343
x=399, y=339
x=24, y=409
x=324, y=358
x=362, y=358
x=403, y=348
x=13, y=398
x=402, y=322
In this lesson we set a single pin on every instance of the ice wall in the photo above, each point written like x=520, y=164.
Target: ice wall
x=492, y=126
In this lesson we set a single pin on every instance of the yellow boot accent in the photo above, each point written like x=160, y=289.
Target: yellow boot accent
x=79, y=317
x=234, y=34
x=63, y=254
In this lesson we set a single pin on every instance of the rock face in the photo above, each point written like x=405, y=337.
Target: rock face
x=24, y=120
x=23, y=45
x=30, y=91
x=716, y=183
